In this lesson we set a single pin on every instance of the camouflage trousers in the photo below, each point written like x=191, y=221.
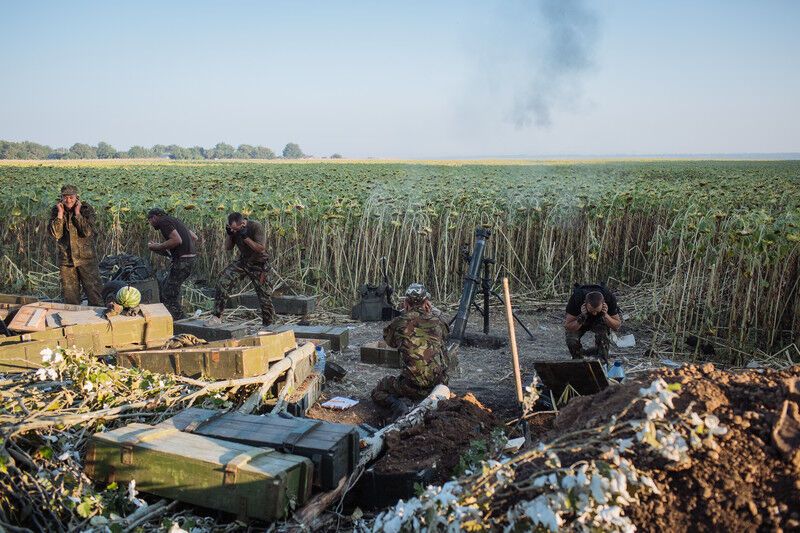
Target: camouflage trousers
x=260, y=280
x=86, y=277
x=179, y=271
x=601, y=340
x=399, y=387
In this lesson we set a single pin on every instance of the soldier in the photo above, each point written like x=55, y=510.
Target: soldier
x=591, y=308
x=178, y=246
x=72, y=226
x=419, y=335
x=253, y=263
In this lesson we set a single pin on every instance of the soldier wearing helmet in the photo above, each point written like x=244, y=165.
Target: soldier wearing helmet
x=419, y=335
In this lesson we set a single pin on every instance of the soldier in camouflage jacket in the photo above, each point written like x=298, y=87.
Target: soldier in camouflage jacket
x=419, y=335
x=72, y=226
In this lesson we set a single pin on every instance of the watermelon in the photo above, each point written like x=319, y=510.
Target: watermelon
x=128, y=297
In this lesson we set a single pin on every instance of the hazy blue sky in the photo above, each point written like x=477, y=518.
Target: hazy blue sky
x=406, y=79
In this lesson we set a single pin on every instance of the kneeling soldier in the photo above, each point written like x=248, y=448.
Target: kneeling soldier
x=419, y=336
x=591, y=308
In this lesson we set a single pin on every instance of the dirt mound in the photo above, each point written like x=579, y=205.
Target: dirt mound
x=441, y=440
x=748, y=483
x=364, y=412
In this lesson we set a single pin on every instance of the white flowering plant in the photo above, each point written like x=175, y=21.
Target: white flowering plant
x=47, y=415
x=590, y=494
x=102, y=385
x=530, y=395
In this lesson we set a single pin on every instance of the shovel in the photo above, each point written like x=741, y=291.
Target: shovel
x=512, y=339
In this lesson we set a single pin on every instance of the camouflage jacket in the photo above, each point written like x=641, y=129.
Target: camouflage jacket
x=74, y=236
x=420, y=339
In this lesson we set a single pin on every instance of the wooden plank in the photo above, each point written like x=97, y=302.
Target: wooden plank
x=58, y=306
x=12, y=302
x=252, y=482
x=28, y=319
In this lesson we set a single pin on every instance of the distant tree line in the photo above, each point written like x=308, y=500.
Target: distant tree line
x=103, y=150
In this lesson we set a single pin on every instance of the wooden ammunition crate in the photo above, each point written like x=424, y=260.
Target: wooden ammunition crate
x=283, y=305
x=375, y=354
x=12, y=302
x=339, y=336
x=17, y=299
x=86, y=328
x=333, y=448
x=204, y=361
x=210, y=332
x=251, y=482
x=279, y=342
x=305, y=396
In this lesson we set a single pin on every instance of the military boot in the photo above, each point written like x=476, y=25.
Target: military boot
x=397, y=407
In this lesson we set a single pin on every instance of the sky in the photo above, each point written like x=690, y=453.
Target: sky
x=411, y=79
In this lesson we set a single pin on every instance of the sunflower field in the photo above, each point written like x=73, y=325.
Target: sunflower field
x=716, y=244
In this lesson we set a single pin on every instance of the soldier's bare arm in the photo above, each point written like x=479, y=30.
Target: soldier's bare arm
x=572, y=323
x=255, y=246
x=256, y=240
x=612, y=321
x=173, y=242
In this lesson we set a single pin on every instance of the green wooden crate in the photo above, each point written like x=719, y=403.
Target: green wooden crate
x=339, y=336
x=305, y=396
x=210, y=332
x=279, y=342
x=249, y=481
x=283, y=305
x=203, y=361
x=17, y=299
x=375, y=354
x=12, y=302
x=333, y=448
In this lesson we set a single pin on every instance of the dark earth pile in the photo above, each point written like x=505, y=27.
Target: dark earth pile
x=750, y=483
x=441, y=440
x=365, y=412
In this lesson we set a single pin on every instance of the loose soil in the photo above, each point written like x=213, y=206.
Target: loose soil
x=440, y=441
x=745, y=485
x=365, y=412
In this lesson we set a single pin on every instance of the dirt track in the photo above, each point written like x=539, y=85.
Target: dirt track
x=484, y=372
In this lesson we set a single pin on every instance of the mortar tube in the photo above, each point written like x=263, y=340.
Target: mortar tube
x=471, y=279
